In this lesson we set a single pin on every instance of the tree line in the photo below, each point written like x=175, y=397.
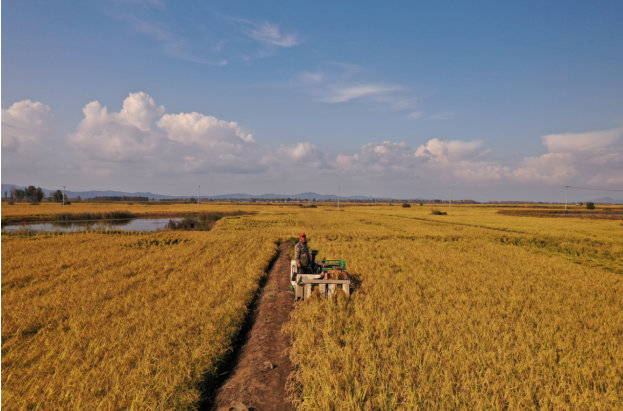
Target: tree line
x=33, y=194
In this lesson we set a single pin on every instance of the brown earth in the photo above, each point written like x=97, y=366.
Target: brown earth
x=258, y=379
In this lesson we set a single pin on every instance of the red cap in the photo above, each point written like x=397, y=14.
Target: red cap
x=302, y=235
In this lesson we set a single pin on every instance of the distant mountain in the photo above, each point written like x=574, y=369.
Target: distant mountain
x=85, y=195
x=607, y=200
x=301, y=196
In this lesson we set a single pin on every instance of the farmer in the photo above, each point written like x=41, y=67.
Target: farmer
x=301, y=255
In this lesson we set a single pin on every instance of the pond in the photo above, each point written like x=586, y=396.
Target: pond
x=136, y=224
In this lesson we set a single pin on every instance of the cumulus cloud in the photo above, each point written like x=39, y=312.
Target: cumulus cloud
x=568, y=142
x=195, y=128
x=118, y=137
x=379, y=158
x=300, y=154
x=569, y=160
x=591, y=158
x=549, y=168
x=24, y=126
x=141, y=137
x=438, y=150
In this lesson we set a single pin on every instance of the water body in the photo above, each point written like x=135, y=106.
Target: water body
x=136, y=224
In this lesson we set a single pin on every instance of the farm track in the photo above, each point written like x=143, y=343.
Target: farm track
x=261, y=366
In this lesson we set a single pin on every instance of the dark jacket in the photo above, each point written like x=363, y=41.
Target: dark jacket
x=301, y=254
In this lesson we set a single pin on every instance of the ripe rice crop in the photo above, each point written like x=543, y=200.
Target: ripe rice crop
x=447, y=317
x=469, y=311
x=93, y=321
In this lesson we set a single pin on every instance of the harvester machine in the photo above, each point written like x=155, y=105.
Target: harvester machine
x=326, y=276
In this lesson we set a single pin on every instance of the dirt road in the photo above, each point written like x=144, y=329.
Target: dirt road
x=258, y=379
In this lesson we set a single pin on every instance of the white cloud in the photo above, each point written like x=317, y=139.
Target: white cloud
x=122, y=136
x=141, y=140
x=270, y=34
x=568, y=142
x=338, y=83
x=195, y=128
x=590, y=158
x=24, y=126
x=379, y=158
x=456, y=161
x=206, y=144
x=551, y=168
x=303, y=154
x=438, y=150
x=613, y=158
x=141, y=134
x=341, y=95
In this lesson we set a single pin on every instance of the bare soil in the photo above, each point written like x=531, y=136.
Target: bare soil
x=258, y=377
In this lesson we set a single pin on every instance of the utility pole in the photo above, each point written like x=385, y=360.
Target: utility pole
x=338, y=197
x=198, y=196
x=63, y=196
x=566, y=193
x=450, y=199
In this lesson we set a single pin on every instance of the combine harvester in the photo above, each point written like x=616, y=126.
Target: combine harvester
x=327, y=277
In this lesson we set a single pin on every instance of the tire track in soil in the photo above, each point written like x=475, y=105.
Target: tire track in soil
x=258, y=377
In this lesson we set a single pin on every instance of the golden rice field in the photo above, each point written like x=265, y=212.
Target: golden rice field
x=470, y=311
x=110, y=322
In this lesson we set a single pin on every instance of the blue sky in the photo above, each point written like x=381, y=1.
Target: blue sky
x=398, y=99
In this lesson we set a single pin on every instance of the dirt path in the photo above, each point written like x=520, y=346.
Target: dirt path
x=258, y=379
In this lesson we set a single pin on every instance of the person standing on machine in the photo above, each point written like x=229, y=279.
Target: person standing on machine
x=301, y=255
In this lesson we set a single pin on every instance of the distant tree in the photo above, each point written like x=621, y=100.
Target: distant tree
x=31, y=194
x=19, y=194
x=5, y=194
x=58, y=196
x=590, y=206
x=79, y=198
x=39, y=194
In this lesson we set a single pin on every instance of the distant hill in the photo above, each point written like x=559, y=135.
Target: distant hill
x=85, y=195
x=607, y=200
